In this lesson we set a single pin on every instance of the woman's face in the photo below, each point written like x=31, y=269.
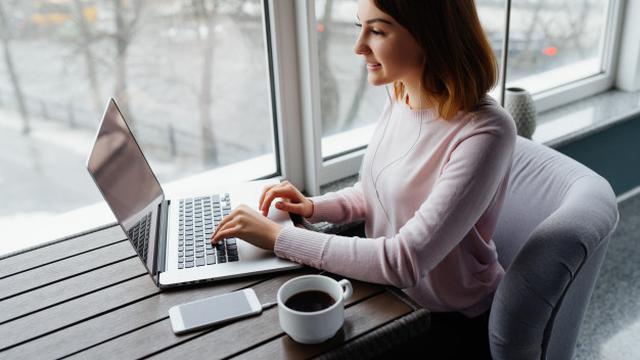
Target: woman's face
x=390, y=52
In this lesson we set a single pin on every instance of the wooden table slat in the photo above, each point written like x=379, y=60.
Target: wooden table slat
x=67, y=313
x=60, y=250
x=359, y=319
x=59, y=270
x=119, y=321
x=219, y=343
x=60, y=292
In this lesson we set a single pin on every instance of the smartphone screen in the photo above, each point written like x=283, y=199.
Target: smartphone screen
x=215, y=309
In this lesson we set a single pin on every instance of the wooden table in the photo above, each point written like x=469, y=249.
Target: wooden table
x=89, y=296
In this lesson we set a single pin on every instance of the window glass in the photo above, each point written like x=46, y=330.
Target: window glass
x=190, y=76
x=552, y=43
x=348, y=102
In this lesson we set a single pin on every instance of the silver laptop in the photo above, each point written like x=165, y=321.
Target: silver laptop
x=172, y=236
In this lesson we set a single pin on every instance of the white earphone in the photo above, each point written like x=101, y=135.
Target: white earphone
x=375, y=180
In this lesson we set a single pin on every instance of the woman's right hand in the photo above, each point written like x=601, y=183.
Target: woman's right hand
x=291, y=201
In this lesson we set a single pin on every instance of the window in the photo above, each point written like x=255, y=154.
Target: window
x=553, y=43
x=268, y=87
x=190, y=76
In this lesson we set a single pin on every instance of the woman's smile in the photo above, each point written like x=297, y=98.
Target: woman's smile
x=373, y=66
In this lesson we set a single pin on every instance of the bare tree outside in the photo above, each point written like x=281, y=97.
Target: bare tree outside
x=549, y=34
x=328, y=85
x=191, y=75
x=84, y=43
x=123, y=36
x=576, y=25
x=13, y=75
x=205, y=13
x=524, y=58
x=347, y=121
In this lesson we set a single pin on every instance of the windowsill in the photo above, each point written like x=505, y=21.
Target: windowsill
x=564, y=124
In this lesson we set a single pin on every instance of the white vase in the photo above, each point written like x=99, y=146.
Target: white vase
x=519, y=104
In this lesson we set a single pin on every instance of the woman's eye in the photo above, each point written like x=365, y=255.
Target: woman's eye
x=373, y=31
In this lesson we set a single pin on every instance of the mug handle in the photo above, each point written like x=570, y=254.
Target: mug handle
x=346, y=288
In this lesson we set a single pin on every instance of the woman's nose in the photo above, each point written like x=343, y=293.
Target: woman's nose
x=360, y=47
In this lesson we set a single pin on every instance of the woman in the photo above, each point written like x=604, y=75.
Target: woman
x=433, y=180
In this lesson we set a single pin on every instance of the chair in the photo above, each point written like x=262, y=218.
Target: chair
x=551, y=239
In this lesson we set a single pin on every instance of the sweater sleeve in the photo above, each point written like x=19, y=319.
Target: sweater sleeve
x=343, y=206
x=464, y=190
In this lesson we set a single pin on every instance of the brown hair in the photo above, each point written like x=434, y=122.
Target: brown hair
x=459, y=66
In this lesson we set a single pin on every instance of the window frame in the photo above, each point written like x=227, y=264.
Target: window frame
x=628, y=71
x=279, y=19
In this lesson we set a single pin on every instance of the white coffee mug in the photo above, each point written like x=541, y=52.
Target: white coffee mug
x=317, y=326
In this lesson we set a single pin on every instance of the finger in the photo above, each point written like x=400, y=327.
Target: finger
x=224, y=222
x=221, y=228
x=266, y=195
x=266, y=200
x=230, y=232
x=266, y=204
x=295, y=208
x=264, y=191
x=284, y=193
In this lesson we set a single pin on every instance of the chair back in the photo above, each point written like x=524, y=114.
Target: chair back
x=551, y=239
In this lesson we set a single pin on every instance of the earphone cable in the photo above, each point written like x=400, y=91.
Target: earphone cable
x=375, y=181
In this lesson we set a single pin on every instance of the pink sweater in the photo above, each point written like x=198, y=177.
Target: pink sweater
x=428, y=231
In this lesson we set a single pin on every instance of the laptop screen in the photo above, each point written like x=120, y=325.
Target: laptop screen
x=126, y=182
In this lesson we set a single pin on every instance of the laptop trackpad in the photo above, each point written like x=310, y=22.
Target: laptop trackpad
x=279, y=216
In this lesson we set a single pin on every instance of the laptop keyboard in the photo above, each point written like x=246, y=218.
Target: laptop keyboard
x=139, y=236
x=199, y=217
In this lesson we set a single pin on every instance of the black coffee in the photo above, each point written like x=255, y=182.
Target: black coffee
x=309, y=301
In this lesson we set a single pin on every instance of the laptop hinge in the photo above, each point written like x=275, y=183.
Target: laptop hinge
x=161, y=238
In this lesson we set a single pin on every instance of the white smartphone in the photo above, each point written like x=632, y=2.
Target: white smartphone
x=214, y=310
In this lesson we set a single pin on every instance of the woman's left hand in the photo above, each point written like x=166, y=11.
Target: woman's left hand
x=248, y=225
